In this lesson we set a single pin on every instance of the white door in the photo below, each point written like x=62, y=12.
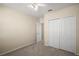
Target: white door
x=68, y=34
x=39, y=32
x=53, y=33
x=62, y=33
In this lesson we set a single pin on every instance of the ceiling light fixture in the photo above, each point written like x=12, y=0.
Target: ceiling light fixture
x=35, y=6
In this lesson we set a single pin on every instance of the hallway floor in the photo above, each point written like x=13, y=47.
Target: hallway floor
x=39, y=50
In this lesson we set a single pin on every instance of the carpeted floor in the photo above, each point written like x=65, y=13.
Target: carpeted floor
x=39, y=50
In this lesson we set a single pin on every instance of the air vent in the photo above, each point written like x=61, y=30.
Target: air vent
x=50, y=10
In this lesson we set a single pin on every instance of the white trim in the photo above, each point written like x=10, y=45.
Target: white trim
x=15, y=49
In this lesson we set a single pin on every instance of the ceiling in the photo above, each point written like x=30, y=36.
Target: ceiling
x=42, y=9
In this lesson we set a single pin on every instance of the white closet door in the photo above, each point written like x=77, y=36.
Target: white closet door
x=53, y=33
x=68, y=34
x=39, y=30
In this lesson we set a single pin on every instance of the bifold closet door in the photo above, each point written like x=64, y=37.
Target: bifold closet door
x=62, y=33
x=53, y=33
x=68, y=34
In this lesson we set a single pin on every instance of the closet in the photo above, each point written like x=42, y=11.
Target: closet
x=62, y=33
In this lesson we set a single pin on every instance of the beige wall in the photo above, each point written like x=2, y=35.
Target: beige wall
x=16, y=29
x=68, y=11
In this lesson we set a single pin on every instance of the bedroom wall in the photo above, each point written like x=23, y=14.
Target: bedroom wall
x=16, y=29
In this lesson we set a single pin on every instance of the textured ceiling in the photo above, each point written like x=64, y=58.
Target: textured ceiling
x=42, y=9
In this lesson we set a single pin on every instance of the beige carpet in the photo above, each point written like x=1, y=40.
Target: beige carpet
x=39, y=50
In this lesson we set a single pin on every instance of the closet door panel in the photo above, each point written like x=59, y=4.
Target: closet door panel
x=53, y=33
x=68, y=34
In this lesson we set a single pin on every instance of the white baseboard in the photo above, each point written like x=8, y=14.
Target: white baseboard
x=15, y=49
